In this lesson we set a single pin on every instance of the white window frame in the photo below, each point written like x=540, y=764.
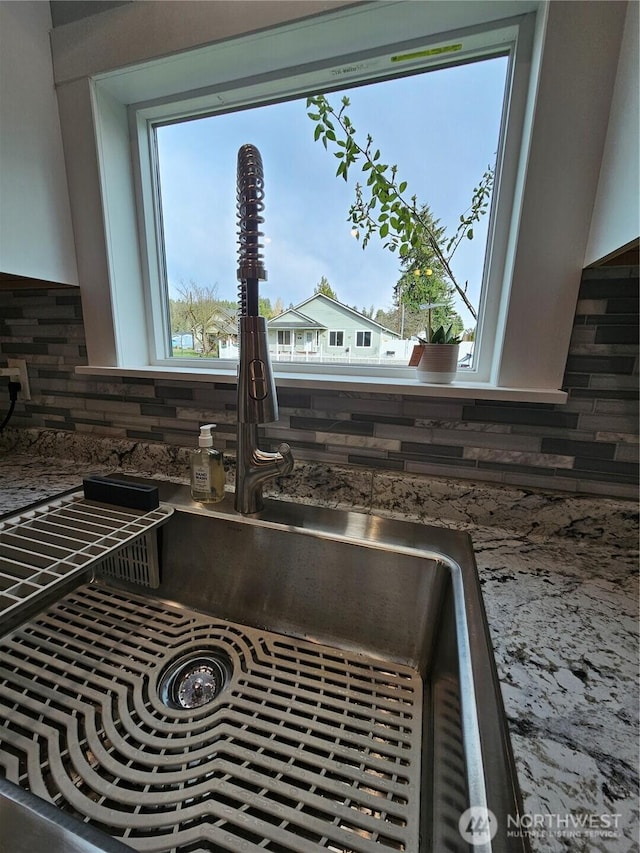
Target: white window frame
x=364, y=332
x=547, y=177
x=510, y=37
x=284, y=333
x=335, y=332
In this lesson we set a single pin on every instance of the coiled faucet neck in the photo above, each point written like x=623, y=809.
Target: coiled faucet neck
x=257, y=399
x=250, y=205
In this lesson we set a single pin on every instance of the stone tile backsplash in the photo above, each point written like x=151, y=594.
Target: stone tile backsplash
x=588, y=445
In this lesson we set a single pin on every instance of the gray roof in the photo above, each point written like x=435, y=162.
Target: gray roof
x=362, y=317
x=293, y=319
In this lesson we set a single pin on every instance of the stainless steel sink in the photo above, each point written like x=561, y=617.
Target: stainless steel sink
x=304, y=680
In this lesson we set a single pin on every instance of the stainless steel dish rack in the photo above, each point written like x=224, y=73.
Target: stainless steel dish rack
x=44, y=549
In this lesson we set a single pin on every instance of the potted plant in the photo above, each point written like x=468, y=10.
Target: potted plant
x=436, y=356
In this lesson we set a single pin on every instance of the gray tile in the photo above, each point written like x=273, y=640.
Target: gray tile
x=430, y=408
x=609, y=423
x=537, y=481
x=332, y=439
x=443, y=470
x=335, y=405
x=609, y=380
x=496, y=440
x=628, y=453
x=376, y=462
x=326, y=425
x=619, y=490
x=401, y=433
x=621, y=471
x=619, y=437
x=617, y=334
x=514, y=414
x=517, y=458
x=159, y=411
x=579, y=404
x=613, y=406
x=320, y=455
x=597, y=449
x=582, y=335
x=600, y=364
x=591, y=306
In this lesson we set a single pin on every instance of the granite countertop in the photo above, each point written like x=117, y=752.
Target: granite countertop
x=561, y=600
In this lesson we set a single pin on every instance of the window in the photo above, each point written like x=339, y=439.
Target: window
x=336, y=339
x=284, y=337
x=195, y=164
x=108, y=112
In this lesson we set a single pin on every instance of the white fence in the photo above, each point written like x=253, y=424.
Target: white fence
x=398, y=353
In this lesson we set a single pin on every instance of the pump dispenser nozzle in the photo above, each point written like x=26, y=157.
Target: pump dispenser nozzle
x=205, y=439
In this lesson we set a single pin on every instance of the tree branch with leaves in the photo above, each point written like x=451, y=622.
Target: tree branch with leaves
x=382, y=205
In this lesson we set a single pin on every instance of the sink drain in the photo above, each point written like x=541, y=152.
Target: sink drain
x=194, y=679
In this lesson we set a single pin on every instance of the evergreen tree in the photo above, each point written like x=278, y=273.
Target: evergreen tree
x=324, y=287
x=424, y=281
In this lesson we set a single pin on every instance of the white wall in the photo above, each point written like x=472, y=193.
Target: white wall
x=36, y=237
x=616, y=213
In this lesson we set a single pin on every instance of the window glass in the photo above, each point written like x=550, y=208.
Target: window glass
x=442, y=129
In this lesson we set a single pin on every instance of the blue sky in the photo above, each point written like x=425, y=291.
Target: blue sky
x=440, y=128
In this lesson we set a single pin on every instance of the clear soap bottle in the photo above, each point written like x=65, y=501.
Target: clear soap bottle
x=207, y=469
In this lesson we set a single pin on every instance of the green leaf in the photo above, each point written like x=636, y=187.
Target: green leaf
x=317, y=132
x=402, y=187
x=470, y=233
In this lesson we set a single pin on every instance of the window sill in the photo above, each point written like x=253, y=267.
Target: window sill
x=323, y=381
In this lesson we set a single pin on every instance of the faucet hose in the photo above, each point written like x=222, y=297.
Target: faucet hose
x=249, y=206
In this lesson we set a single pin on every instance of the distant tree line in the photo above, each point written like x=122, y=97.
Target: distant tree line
x=199, y=311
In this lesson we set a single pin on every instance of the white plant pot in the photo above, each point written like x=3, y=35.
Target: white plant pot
x=439, y=363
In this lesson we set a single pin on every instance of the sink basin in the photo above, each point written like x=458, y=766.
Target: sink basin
x=306, y=680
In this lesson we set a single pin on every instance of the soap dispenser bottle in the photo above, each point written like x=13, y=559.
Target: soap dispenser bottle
x=207, y=469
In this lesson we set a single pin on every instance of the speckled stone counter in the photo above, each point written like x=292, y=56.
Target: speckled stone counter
x=560, y=581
